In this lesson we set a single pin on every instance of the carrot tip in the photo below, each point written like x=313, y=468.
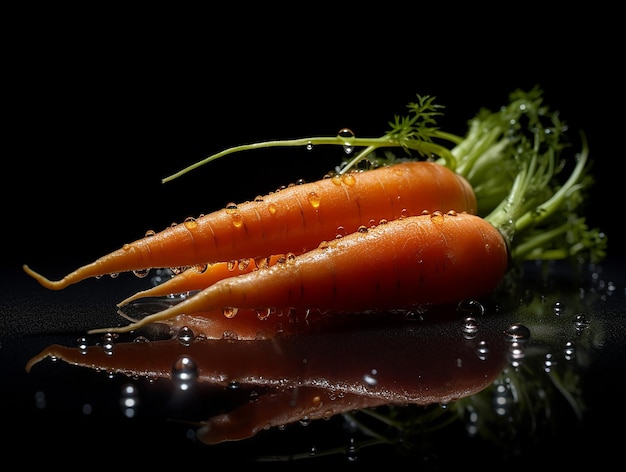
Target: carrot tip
x=43, y=280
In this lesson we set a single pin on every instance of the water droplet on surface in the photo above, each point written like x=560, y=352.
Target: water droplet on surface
x=141, y=273
x=185, y=335
x=559, y=308
x=517, y=332
x=348, y=137
x=231, y=208
x=271, y=208
x=237, y=220
x=108, y=344
x=470, y=306
x=229, y=312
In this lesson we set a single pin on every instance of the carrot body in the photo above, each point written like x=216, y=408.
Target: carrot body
x=292, y=220
x=428, y=259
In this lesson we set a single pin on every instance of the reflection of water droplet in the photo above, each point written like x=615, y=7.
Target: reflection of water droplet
x=548, y=362
x=482, y=350
x=184, y=372
x=129, y=400
x=470, y=327
x=370, y=378
x=570, y=351
x=82, y=345
x=352, y=451
x=108, y=344
x=559, y=308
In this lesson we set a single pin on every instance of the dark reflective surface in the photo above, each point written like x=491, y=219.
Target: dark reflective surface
x=539, y=373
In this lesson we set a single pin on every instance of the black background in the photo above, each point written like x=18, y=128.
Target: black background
x=104, y=109
x=101, y=105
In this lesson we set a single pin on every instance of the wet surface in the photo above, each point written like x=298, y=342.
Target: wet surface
x=535, y=371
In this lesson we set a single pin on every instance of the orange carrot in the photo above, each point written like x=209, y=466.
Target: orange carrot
x=429, y=259
x=291, y=220
x=200, y=277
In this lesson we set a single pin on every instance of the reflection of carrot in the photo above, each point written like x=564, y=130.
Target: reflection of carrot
x=427, y=259
x=294, y=219
x=198, y=278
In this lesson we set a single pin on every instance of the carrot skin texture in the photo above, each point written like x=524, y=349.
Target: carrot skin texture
x=428, y=259
x=294, y=219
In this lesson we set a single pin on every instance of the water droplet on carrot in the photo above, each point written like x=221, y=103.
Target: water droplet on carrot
x=336, y=179
x=190, y=223
x=314, y=200
x=243, y=264
x=231, y=208
x=436, y=217
x=272, y=209
x=263, y=314
x=362, y=229
x=237, y=220
x=150, y=233
x=348, y=179
x=341, y=232
x=229, y=312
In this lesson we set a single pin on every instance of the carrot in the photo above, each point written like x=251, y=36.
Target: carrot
x=199, y=277
x=435, y=258
x=295, y=219
x=427, y=259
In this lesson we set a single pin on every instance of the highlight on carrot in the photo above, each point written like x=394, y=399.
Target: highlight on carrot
x=292, y=220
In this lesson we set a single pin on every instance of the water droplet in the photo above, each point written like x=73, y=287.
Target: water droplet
x=186, y=335
x=436, y=217
x=348, y=137
x=348, y=179
x=184, y=373
x=469, y=306
x=517, y=332
x=314, y=200
x=570, y=351
x=362, y=229
x=309, y=146
x=237, y=220
x=229, y=312
x=190, y=223
x=141, y=273
x=149, y=233
x=231, y=208
x=272, y=209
